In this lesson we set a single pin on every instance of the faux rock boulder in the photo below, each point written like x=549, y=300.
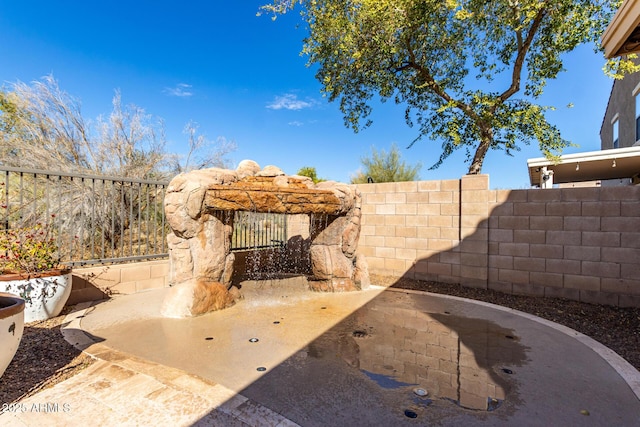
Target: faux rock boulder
x=200, y=207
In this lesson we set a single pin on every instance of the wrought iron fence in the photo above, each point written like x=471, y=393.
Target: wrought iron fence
x=95, y=219
x=98, y=219
x=257, y=230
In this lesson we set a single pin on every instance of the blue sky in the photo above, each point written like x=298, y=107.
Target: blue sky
x=241, y=77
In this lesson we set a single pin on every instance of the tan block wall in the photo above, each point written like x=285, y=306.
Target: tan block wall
x=568, y=243
x=99, y=282
x=576, y=243
x=409, y=221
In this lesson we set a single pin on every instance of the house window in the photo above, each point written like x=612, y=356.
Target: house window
x=616, y=141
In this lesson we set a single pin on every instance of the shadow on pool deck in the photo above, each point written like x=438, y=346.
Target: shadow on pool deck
x=337, y=359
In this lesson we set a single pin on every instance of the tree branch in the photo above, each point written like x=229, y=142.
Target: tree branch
x=523, y=49
x=431, y=83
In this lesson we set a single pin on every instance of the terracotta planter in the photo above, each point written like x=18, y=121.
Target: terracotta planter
x=11, y=327
x=45, y=294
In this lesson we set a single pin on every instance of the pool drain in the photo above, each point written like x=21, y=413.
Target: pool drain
x=421, y=392
x=410, y=414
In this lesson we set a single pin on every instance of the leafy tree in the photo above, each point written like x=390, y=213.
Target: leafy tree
x=310, y=172
x=455, y=64
x=386, y=167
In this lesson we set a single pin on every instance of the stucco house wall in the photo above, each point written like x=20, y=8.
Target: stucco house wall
x=621, y=105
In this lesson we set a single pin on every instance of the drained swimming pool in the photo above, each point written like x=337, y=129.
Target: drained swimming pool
x=380, y=357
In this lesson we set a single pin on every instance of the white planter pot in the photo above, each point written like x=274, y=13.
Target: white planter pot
x=45, y=294
x=11, y=328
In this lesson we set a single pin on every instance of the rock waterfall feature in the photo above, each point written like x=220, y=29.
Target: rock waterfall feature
x=199, y=208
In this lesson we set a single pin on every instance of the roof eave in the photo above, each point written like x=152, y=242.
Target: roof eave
x=624, y=22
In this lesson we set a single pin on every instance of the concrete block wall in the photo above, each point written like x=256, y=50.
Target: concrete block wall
x=405, y=222
x=576, y=243
x=94, y=283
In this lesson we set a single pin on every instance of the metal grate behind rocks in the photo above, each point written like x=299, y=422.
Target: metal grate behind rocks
x=257, y=230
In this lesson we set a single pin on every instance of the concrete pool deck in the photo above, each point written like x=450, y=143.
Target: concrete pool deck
x=333, y=359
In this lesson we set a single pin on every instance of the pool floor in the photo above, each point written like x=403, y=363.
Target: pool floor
x=378, y=357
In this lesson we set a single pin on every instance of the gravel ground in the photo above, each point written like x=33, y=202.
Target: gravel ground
x=44, y=358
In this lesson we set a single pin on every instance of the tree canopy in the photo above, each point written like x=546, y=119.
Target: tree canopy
x=386, y=167
x=456, y=65
x=310, y=172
